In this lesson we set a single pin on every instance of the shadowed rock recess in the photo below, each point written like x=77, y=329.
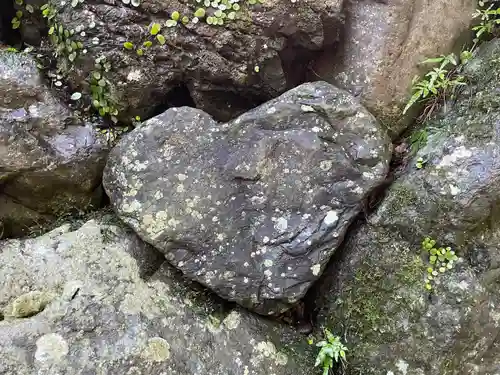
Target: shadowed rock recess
x=217, y=63
x=97, y=300
x=376, y=292
x=253, y=208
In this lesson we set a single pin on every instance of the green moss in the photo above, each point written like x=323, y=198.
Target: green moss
x=402, y=197
x=29, y=304
x=373, y=298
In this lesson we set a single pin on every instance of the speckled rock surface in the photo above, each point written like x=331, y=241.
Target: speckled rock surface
x=216, y=63
x=377, y=288
x=383, y=43
x=50, y=164
x=253, y=208
x=114, y=306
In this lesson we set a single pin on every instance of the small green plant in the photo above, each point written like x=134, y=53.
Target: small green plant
x=418, y=139
x=441, y=259
x=435, y=82
x=420, y=163
x=489, y=19
x=332, y=349
x=102, y=100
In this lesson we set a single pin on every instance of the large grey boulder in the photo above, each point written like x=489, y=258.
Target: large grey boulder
x=97, y=300
x=50, y=163
x=227, y=68
x=253, y=208
x=376, y=291
x=384, y=42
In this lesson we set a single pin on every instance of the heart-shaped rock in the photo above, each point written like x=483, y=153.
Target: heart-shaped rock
x=253, y=208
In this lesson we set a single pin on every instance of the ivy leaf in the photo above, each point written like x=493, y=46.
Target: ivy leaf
x=155, y=28
x=128, y=45
x=161, y=39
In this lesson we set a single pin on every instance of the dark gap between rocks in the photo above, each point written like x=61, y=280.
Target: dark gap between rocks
x=177, y=97
x=296, y=61
x=8, y=35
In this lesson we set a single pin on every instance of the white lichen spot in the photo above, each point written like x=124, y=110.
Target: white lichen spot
x=454, y=190
x=325, y=165
x=51, y=347
x=265, y=239
x=402, y=366
x=331, y=218
x=268, y=263
x=131, y=207
x=266, y=348
x=245, y=280
x=134, y=75
x=271, y=110
x=232, y=321
x=173, y=223
x=157, y=350
x=281, y=224
x=315, y=269
x=281, y=359
x=368, y=175
x=268, y=273
x=306, y=108
x=181, y=177
x=180, y=188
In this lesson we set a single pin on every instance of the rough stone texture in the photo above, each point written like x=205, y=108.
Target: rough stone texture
x=115, y=309
x=383, y=43
x=50, y=164
x=216, y=63
x=253, y=208
x=377, y=288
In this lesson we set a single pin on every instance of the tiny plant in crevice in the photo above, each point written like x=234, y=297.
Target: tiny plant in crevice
x=418, y=139
x=153, y=36
x=436, y=82
x=102, y=99
x=440, y=260
x=332, y=349
x=420, y=163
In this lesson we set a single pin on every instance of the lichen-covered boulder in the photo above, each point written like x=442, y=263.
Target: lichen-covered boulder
x=384, y=42
x=95, y=299
x=253, y=208
x=407, y=310
x=50, y=163
x=259, y=51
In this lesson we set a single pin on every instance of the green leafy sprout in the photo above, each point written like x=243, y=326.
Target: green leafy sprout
x=332, y=349
x=489, y=19
x=437, y=81
x=441, y=259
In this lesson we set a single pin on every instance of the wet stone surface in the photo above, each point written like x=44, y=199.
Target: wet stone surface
x=253, y=208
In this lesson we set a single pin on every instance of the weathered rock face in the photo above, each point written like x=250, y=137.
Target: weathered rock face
x=377, y=288
x=98, y=300
x=382, y=44
x=216, y=63
x=253, y=208
x=50, y=164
